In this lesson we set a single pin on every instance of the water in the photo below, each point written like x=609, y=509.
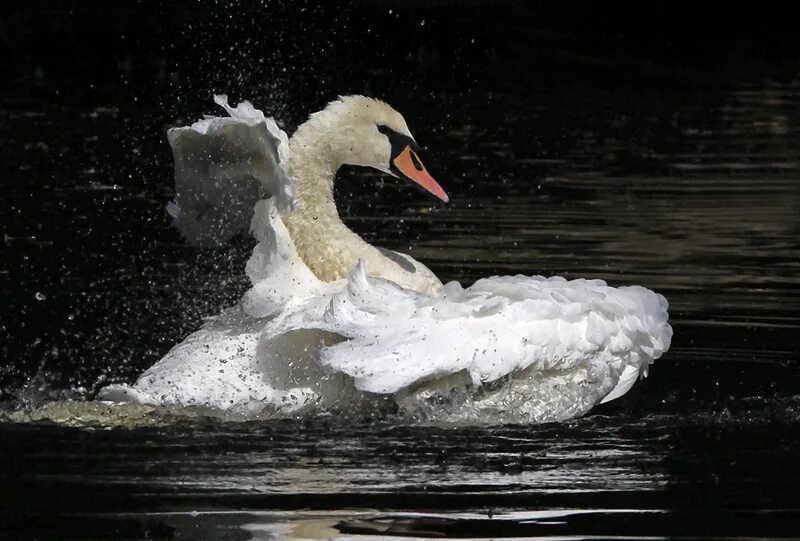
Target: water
x=604, y=164
x=624, y=475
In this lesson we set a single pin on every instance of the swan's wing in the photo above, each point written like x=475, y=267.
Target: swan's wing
x=403, y=261
x=500, y=326
x=223, y=166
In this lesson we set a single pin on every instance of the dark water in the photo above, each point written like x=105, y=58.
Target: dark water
x=652, y=475
x=673, y=170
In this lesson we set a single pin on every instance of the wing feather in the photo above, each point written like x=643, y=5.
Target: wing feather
x=223, y=166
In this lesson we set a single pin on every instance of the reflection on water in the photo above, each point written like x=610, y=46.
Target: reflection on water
x=697, y=199
x=711, y=473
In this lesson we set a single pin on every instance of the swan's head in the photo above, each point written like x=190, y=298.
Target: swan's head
x=368, y=132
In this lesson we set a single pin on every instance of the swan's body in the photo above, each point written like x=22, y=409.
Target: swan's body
x=332, y=321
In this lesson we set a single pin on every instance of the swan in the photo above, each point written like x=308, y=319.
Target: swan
x=332, y=323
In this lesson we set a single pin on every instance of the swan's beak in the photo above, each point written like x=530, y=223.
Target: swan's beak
x=408, y=165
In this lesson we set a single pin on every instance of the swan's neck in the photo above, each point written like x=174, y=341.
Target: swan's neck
x=322, y=240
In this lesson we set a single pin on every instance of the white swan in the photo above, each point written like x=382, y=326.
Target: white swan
x=334, y=323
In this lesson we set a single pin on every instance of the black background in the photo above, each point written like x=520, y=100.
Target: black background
x=179, y=52
x=156, y=64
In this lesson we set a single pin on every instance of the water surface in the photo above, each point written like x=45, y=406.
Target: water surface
x=693, y=192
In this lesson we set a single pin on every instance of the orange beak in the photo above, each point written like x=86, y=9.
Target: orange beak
x=409, y=165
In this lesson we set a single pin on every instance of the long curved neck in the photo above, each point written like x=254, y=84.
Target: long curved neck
x=325, y=244
x=313, y=169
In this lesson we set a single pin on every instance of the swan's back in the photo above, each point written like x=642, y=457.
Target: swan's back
x=498, y=328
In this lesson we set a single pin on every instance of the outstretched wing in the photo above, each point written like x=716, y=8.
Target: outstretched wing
x=223, y=166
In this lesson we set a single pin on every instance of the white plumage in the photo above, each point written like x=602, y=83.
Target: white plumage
x=510, y=348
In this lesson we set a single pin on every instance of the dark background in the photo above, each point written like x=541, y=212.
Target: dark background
x=89, y=87
x=173, y=55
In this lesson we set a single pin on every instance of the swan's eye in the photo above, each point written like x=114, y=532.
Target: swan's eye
x=398, y=141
